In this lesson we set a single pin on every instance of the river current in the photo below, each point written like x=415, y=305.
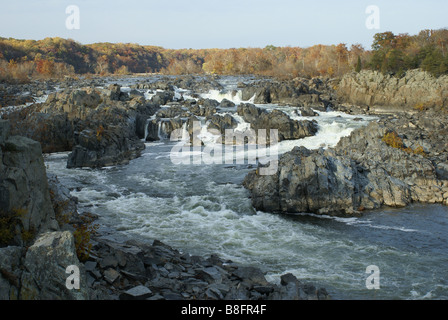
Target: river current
x=203, y=209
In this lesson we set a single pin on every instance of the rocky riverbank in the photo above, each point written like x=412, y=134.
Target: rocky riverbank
x=156, y=271
x=376, y=93
x=135, y=271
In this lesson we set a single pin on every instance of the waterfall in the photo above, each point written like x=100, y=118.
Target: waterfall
x=146, y=128
x=185, y=133
x=159, y=130
x=162, y=129
x=235, y=95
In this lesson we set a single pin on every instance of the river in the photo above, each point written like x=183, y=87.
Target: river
x=203, y=209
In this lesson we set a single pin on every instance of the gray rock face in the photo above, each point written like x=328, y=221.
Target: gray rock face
x=24, y=193
x=197, y=84
x=360, y=173
x=314, y=93
x=77, y=104
x=10, y=272
x=307, y=181
x=5, y=128
x=64, y=204
x=288, y=129
x=101, y=126
x=162, y=98
x=386, y=94
x=37, y=272
x=109, y=148
x=222, y=123
x=225, y=103
x=46, y=261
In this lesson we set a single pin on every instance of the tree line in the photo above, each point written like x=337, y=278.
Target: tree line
x=21, y=60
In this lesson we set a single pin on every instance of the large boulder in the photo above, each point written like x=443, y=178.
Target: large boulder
x=279, y=92
x=45, y=265
x=162, y=97
x=221, y=123
x=288, y=129
x=77, y=104
x=103, y=147
x=260, y=94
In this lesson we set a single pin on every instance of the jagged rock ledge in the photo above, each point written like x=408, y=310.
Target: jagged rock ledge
x=393, y=162
x=373, y=92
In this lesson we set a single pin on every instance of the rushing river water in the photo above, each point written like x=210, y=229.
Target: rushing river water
x=203, y=209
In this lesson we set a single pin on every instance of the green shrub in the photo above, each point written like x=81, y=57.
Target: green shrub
x=82, y=234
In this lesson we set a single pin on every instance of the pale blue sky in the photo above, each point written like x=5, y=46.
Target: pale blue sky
x=219, y=24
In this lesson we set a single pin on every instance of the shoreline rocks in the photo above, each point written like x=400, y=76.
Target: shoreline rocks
x=25, y=205
x=361, y=173
x=133, y=270
x=377, y=93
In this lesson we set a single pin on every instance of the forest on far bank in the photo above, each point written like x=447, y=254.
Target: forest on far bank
x=23, y=60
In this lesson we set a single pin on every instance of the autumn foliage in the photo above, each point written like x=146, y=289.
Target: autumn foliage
x=392, y=139
x=395, y=54
x=57, y=57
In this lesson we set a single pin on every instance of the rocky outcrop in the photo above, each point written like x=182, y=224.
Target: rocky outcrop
x=15, y=94
x=362, y=172
x=25, y=203
x=40, y=271
x=273, y=92
x=10, y=272
x=64, y=204
x=379, y=93
x=103, y=147
x=221, y=123
x=113, y=131
x=77, y=104
x=314, y=93
x=196, y=84
x=101, y=126
x=162, y=98
x=225, y=103
x=288, y=129
x=34, y=254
